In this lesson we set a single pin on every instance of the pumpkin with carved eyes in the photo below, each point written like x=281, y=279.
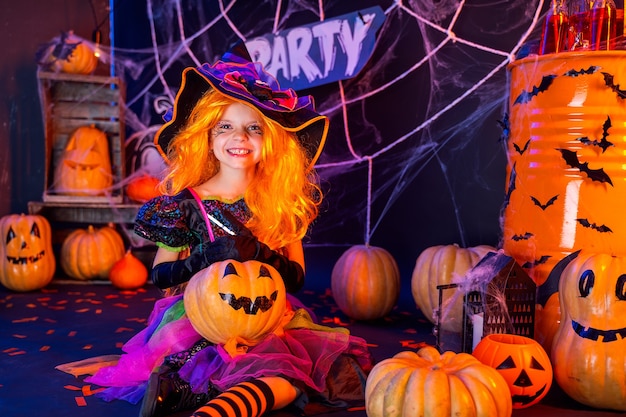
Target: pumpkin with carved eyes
x=85, y=166
x=522, y=362
x=26, y=252
x=235, y=303
x=589, y=347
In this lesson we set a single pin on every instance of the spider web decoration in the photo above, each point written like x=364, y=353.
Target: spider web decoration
x=417, y=116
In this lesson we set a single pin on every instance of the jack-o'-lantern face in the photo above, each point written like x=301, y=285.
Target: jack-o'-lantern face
x=85, y=167
x=24, y=246
x=593, y=292
x=26, y=252
x=260, y=303
x=235, y=300
x=522, y=362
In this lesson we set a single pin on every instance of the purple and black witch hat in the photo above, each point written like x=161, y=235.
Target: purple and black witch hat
x=237, y=77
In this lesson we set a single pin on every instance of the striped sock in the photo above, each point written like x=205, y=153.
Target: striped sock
x=248, y=399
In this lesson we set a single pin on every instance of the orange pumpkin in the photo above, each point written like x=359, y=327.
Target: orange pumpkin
x=589, y=348
x=365, y=282
x=69, y=54
x=26, y=259
x=128, y=273
x=85, y=166
x=235, y=303
x=522, y=362
x=142, y=188
x=91, y=253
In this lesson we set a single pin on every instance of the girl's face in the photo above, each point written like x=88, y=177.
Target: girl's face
x=237, y=137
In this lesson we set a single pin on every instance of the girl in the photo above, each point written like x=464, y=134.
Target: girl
x=242, y=149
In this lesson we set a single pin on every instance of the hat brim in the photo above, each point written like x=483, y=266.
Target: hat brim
x=294, y=114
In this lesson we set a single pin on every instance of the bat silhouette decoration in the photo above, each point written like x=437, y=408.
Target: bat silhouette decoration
x=505, y=125
x=547, y=204
x=542, y=260
x=609, y=81
x=511, y=188
x=575, y=73
x=521, y=150
x=603, y=143
x=551, y=284
x=600, y=228
x=526, y=96
x=61, y=50
x=525, y=236
x=571, y=159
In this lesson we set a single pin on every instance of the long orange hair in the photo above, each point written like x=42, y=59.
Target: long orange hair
x=283, y=197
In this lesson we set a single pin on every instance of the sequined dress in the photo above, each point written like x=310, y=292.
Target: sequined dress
x=327, y=364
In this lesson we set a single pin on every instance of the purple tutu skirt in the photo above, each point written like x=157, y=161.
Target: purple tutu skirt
x=302, y=354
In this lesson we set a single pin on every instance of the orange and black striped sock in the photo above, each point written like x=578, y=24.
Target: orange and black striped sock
x=248, y=399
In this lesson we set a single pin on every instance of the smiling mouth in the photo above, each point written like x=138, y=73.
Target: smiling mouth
x=527, y=399
x=239, y=151
x=594, y=334
x=24, y=260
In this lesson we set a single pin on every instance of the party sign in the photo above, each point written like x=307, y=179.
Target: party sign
x=319, y=53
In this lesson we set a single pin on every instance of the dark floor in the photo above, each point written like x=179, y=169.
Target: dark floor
x=68, y=321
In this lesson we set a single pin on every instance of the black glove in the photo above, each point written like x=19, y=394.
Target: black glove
x=247, y=247
x=169, y=274
x=291, y=271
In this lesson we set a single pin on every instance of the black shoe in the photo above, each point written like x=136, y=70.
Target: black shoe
x=167, y=393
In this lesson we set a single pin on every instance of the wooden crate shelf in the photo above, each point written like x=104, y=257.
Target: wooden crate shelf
x=93, y=213
x=70, y=101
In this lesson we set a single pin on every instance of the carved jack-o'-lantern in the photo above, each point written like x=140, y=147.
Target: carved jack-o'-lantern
x=522, y=362
x=589, y=348
x=85, y=166
x=26, y=258
x=235, y=303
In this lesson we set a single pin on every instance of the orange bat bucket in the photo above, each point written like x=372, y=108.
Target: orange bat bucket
x=566, y=172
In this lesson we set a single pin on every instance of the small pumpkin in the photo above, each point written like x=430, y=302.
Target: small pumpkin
x=365, y=282
x=427, y=383
x=91, y=253
x=235, y=303
x=26, y=257
x=128, y=273
x=70, y=54
x=589, y=347
x=441, y=265
x=522, y=362
x=142, y=188
x=85, y=165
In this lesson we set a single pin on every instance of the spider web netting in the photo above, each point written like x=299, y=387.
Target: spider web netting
x=423, y=114
x=422, y=124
